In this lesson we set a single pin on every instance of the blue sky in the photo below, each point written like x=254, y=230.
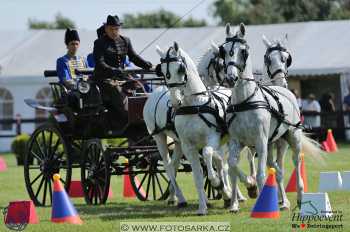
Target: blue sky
x=88, y=14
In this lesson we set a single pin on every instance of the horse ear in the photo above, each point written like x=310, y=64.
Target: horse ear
x=241, y=30
x=176, y=46
x=266, y=41
x=285, y=39
x=228, y=30
x=215, y=47
x=160, y=52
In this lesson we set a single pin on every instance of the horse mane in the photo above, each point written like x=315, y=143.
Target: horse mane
x=191, y=66
x=203, y=61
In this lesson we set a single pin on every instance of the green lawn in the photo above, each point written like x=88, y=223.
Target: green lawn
x=107, y=217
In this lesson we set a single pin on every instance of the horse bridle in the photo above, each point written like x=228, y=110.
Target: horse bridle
x=267, y=60
x=182, y=69
x=222, y=53
x=218, y=67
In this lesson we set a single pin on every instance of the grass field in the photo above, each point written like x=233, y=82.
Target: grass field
x=107, y=217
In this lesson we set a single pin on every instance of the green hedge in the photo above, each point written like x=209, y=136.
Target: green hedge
x=18, y=147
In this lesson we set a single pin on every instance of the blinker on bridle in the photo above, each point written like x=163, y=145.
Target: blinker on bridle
x=267, y=59
x=182, y=69
x=222, y=52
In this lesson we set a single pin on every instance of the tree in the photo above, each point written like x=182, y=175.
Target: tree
x=277, y=11
x=159, y=19
x=60, y=22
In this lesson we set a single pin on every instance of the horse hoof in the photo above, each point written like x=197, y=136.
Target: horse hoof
x=182, y=205
x=227, y=203
x=171, y=202
x=202, y=213
x=220, y=186
x=235, y=211
x=253, y=191
x=284, y=208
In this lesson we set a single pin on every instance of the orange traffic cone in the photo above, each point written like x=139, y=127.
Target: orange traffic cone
x=325, y=146
x=3, y=166
x=331, y=142
x=267, y=204
x=128, y=191
x=62, y=208
x=292, y=184
x=21, y=213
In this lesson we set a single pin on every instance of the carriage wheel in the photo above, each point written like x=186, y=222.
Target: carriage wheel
x=46, y=154
x=95, y=172
x=151, y=182
x=212, y=193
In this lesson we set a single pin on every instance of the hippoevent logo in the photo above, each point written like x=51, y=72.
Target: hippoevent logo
x=313, y=219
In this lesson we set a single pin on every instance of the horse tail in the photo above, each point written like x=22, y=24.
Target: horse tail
x=311, y=147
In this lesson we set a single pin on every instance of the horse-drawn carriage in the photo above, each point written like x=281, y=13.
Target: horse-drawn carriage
x=72, y=138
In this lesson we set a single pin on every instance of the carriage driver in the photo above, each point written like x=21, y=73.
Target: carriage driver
x=66, y=65
x=109, y=54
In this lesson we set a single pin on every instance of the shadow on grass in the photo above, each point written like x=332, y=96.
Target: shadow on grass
x=142, y=210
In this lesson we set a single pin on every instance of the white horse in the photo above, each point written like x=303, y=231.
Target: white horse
x=157, y=115
x=258, y=116
x=277, y=60
x=210, y=68
x=197, y=119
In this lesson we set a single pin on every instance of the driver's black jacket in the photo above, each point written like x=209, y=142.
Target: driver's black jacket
x=110, y=54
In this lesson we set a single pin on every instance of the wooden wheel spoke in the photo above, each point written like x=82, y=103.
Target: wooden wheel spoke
x=159, y=185
x=39, y=188
x=40, y=148
x=50, y=190
x=44, y=141
x=154, y=187
x=56, y=146
x=36, y=155
x=36, y=178
x=141, y=183
x=164, y=177
x=148, y=184
x=44, y=193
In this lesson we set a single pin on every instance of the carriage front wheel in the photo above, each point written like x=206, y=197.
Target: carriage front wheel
x=95, y=172
x=149, y=181
x=46, y=154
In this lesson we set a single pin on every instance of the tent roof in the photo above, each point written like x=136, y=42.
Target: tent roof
x=318, y=48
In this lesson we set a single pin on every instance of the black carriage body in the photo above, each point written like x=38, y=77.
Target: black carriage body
x=71, y=138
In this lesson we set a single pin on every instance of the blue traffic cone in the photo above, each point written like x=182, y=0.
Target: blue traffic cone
x=267, y=204
x=62, y=208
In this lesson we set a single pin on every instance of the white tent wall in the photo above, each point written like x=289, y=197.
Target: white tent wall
x=21, y=88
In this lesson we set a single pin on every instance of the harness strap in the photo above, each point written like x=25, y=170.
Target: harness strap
x=205, y=109
x=278, y=114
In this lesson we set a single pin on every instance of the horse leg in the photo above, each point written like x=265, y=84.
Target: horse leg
x=282, y=147
x=177, y=154
x=208, y=153
x=261, y=149
x=162, y=145
x=234, y=172
x=251, y=159
x=294, y=140
x=192, y=156
x=226, y=178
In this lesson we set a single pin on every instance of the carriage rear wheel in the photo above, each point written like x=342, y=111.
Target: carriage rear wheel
x=95, y=172
x=150, y=182
x=46, y=154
